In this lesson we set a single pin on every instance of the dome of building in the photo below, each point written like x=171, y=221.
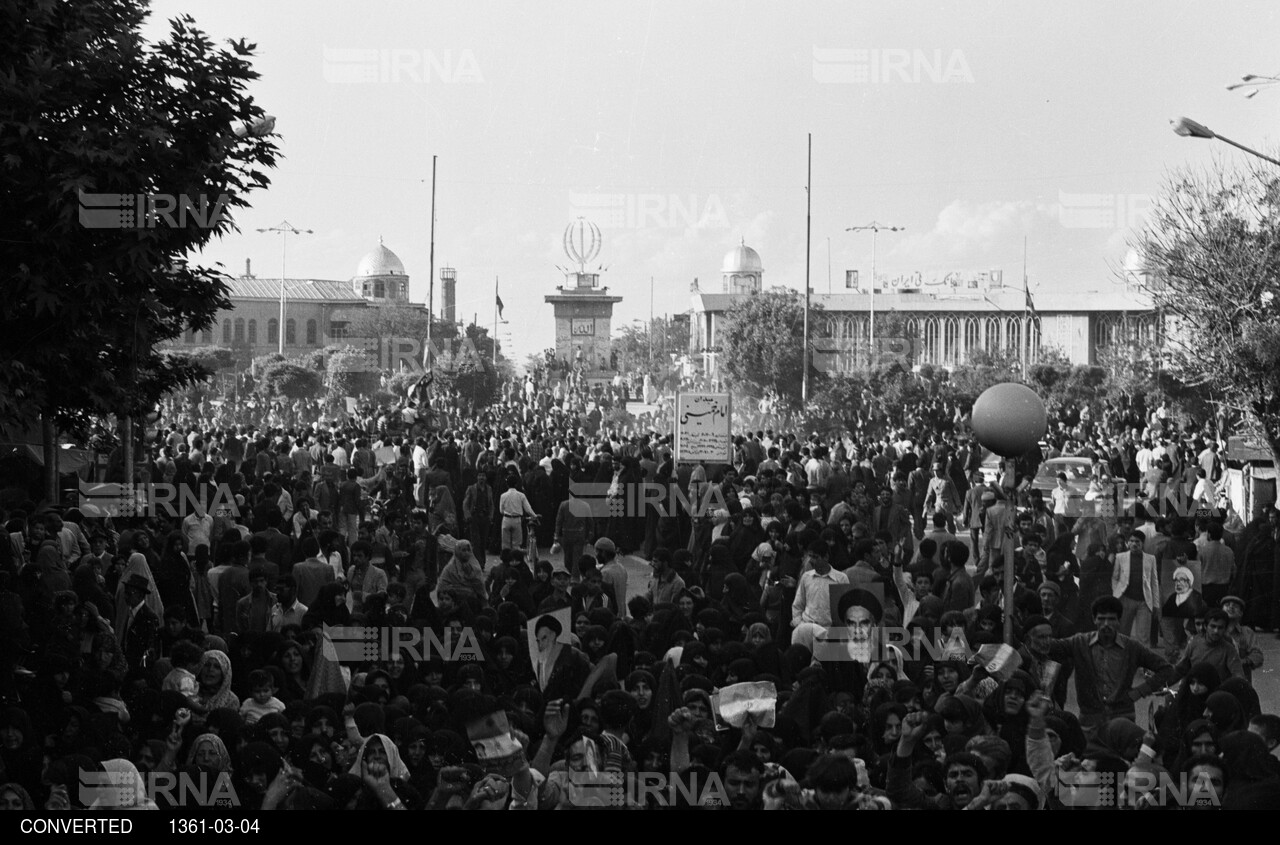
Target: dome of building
x=742, y=259
x=380, y=262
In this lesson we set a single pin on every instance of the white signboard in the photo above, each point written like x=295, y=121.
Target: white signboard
x=703, y=428
x=755, y=699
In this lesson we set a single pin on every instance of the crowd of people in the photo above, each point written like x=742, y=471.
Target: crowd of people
x=861, y=578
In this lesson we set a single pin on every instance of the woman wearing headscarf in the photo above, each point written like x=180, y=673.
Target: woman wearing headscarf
x=127, y=791
x=1224, y=710
x=330, y=606
x=1188, y=706
x=214, y=680
x=210, y=753
x=718, y=567
x=1198, y=737
x=292, y=661
x=443, y=513
x=745, y=538
x=14, y=796
x=378, y=761
x=739, y=601
x=174, y=577
x=1253, y=780
x=138, y=564
x=88, y=581
x=1119, y=738
x=20, y=749
x=1250, y=705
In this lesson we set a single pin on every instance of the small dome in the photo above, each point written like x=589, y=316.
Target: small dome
x=742, y=259
x=380, y=262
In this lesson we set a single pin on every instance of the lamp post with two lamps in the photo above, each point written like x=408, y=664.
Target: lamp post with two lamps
x=874, y=228
x=285, y=229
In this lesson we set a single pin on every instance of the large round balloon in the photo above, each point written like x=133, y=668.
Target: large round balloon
x=1009, y=419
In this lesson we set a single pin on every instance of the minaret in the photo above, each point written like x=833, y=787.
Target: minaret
x=449, y=295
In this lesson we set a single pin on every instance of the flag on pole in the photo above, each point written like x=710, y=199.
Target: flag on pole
x=420, y=385
x=1030, y=305
x=498, y=303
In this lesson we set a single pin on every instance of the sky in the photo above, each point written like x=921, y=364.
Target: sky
x=681, y=129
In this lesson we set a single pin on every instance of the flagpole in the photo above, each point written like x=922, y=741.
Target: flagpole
x=1026, y=310
x=431, y=269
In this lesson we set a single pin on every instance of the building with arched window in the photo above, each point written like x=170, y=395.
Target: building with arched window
x=940, y=319
x=318, y=312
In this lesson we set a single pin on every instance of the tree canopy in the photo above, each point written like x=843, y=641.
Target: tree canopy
x=1211, y=252
x=90, y=108
x=761, y=343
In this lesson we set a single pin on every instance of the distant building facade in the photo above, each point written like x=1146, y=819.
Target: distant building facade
x=938, y=319
x=318, y=312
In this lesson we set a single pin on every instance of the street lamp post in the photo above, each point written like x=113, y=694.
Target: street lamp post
x=1188, y=128
x=874, y=228
x=285, y=229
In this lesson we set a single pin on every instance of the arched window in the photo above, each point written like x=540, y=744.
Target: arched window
x=379, y=289
x=972, y=336
x=311, y=332
x=992, y=339
x=1013, y=335
x=206, y=336
x=253, y=332
x=950, y=341
x=239, y=330
x=226, y=332
x=930, y=341
x=290, y=332
x=1033, y=339
x=1105, y=331
x=273, y=330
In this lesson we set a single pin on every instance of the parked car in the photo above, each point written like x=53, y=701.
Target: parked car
x=1079, y=472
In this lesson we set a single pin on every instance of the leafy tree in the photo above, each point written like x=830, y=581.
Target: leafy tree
x=1211, y=250
x=760, y=343
x=290, y=380
x=351, y=373
x=90, y=107
x=981, y=371
x=636, y=350
x=466, y=368
x=211, y=358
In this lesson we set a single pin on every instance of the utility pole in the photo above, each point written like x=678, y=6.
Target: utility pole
x=808, y=228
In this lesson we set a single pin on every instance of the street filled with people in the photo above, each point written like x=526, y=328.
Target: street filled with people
x=822, y=623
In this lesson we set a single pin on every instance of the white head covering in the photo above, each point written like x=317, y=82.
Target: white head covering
x=395, y=766
x=122, y=788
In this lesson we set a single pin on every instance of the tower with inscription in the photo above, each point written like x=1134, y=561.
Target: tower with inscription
x=583, y=309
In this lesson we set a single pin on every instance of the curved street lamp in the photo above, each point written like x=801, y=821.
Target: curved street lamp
x=1188, y=128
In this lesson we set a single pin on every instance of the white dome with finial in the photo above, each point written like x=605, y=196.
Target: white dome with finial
x=742, y=259
x=380, y=262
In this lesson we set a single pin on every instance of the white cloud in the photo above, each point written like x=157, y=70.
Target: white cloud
x=971, y=232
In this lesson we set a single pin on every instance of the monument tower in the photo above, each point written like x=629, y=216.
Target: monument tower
x=584, y=310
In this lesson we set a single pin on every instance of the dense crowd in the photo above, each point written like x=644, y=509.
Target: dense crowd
x=860, y=578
